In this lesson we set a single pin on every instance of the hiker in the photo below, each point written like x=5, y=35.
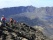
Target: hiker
x=11, y=21
x=3, y=19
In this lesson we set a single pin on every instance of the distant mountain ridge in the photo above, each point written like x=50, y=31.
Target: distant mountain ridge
x=37, y=12
x=29, y=12
x=15, y=10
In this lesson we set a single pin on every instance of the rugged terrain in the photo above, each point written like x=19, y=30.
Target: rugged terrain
x=32, y=16
x=20, y=31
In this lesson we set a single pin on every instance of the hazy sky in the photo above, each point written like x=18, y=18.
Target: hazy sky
x=36, y=3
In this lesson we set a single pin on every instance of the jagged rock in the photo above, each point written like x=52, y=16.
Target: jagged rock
x=21, y=32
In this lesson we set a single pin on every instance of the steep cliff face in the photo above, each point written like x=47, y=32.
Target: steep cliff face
x=20, y=31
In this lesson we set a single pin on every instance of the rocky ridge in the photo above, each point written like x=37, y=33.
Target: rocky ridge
x=20, y=31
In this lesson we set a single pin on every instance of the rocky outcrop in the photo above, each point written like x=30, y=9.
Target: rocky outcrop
x=20, y=31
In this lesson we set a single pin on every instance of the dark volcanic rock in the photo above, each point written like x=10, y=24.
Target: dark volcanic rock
x=20, y=31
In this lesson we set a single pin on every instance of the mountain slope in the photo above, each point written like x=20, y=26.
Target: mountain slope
x=31, y=16
x=21, y=31
x=44, y=13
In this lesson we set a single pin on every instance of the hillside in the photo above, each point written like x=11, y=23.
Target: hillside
x=21, y=31
x=32, y=16
x=29, y=13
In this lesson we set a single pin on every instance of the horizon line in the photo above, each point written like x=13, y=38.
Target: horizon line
x=25, y=6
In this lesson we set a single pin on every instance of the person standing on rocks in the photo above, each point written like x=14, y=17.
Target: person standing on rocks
x=3, y=19
x=11, y=21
